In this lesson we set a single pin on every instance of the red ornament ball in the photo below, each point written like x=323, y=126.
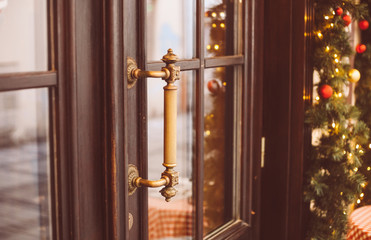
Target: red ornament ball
x=339, y=11
x=363, y=24
x=325, y=91
x=347, y=20
x=213, y=86
x=361, y=48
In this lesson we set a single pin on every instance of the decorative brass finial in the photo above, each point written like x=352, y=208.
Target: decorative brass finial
x=173, y=71
x=170, y=57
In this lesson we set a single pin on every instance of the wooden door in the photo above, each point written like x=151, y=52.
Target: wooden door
x=218, y=119
x=98, y=126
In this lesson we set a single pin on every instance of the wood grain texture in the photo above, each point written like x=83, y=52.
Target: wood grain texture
x=224, y=61
x=65, y=124
x=80, y=120
x=17, y=81
x=285, y=66
x=186, y=64
x=116, y=165
x=198, y=162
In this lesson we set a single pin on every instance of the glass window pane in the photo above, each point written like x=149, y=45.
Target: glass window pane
x=170, y=24
x=23, y=31
x=24, y=160
x=174, y=219
x=220, y=146
x=223, y=27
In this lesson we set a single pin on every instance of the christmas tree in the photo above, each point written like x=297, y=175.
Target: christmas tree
x=334, y=182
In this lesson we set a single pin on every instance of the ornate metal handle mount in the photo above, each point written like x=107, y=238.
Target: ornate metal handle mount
x=170, y=73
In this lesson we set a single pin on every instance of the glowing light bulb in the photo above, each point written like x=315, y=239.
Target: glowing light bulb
x=345, y=152
x=320, y=35
x=208, y=47
x=337, y=70
x=332, y=25
x=327, y=17
x=355, y=169
x=213, y=25
x=335, y=55
x=340, y=94
x=213, y=14
x=341, y=193
x=357, y=146
x=362, y=195
x=343, y=136
x=207, y=132
x=369, y=145
x=333, y=125
x=333, y=12
x=350, y=155
x=368, y=168
x=359, y=201
x=216, y=47
x=222, y=14
x=337, y=60
x=222, y=25
x=344, y=212
x=363, y=185
x=327, y=48
x=224, y=83
x=317, y=98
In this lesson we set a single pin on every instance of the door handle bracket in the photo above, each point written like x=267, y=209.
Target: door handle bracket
x=169, y=178
x=169, y=73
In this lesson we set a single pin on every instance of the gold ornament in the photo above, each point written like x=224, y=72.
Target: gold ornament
x=354, y=75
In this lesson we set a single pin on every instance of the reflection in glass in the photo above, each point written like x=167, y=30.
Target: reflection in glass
x=218, y=147
x=219, y=27
x=24, y=165
x=171, y=220
x=23, y=31
x=170, y=24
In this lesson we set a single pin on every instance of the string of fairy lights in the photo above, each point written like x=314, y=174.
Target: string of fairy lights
x=353, y=75
x=334, y=181
x=217, y=23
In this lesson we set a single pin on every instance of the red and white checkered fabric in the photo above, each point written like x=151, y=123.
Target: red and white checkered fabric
x=169, y=219
x=360, y=224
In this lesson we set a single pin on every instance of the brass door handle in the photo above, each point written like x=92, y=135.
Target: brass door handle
x=170, y=73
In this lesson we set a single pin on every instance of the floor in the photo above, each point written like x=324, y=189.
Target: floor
x=24, y=189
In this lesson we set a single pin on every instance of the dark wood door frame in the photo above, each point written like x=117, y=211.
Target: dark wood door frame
x=287, y=84
x=85, y=161
x=92, y=146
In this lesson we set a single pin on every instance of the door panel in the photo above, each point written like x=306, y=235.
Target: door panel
x=25, y=209
x=219, y=27
x=135, y=117
x=24, y=40
x=26, y=130
x=221, y=151
x=170, y=24
x=217, y=146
